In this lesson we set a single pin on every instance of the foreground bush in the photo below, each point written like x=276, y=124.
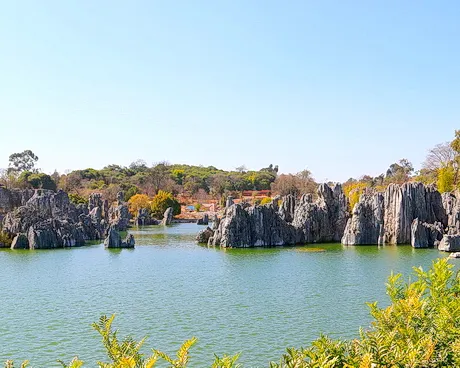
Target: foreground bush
x=420, y=328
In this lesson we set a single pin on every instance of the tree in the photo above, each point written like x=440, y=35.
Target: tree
x=193, y=184
x=138, y=201
x=159, y=175
x=71, y=182
x=296, y=185
x=439, y=156
x=131, y=191
x=162, y=201
x=37, y=180
x=399, y=172
x=271, y=169
x=241, y=169
x=23, y=161
x=446, y=179
x=138, y=166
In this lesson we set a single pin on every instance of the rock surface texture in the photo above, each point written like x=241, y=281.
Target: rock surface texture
x=293, y=222
x=411, y=213
x=204, y=235
x=119, y=213
x=204, y=220
x=167, y=217
x=113, y=239
x=450, y=243
x=144, y=218
x=48, y=219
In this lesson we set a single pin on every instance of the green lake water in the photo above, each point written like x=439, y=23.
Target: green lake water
x=253, y=301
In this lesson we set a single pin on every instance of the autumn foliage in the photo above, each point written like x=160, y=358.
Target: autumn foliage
x=138, y=201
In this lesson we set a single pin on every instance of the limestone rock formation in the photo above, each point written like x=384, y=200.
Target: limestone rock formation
x=118, y=213
x=366, y=224
x=50, y=220
x=390, y=220
x=54, y=233
x=404, y=203
x=215, y=222
x=167, y=217
x=450, y=243
x=426, y=235
x=20, y=241
x=253, y=226
x=204, y=220
x=451, y=204
x=113, y=239
x=408, y=213
x=13, y=198
x=204, y=235
x=323, y=220
x=287, y=208
x=293, y=222
x=143, y=218
x=229, y=201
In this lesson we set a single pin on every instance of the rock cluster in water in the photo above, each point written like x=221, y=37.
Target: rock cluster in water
x=113, y=239
x=39, y=219
x=411, y=213
x=293, y=222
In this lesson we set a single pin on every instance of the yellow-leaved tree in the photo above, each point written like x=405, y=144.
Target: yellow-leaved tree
x=138, y=201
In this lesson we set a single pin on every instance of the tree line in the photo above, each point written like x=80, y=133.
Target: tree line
x=441, y=168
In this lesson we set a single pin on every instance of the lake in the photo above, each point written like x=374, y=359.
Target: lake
x=253, y=301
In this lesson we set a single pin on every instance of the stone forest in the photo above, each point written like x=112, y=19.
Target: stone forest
x=39, y=211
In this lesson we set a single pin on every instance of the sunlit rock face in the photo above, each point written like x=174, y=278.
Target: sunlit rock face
x=293, y=222
x=411, y=213
x=49, y=220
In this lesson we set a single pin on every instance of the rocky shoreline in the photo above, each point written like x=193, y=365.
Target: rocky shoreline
x=411, y=213
x=44, y=219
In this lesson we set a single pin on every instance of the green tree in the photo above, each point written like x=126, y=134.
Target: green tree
x=77, y=199
x=162, y=201
x=37, y=180
x=159, y=175
x=399, y=172
x=22, y=161
x=131, y=191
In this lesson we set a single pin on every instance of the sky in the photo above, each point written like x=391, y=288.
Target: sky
x=343, y=88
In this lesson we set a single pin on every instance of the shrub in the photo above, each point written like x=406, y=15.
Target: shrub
x=37, y=180
x=133, y=190
x=266, y=200
x=77, y=199
x=420, y=328
x=446, y=177
x=198, y=207
x=138, y=201
x=5, y=239
x=97, y=185
x=162, y=201
x=353, y=191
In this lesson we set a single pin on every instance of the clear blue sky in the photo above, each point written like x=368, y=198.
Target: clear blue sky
x=343, y=88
